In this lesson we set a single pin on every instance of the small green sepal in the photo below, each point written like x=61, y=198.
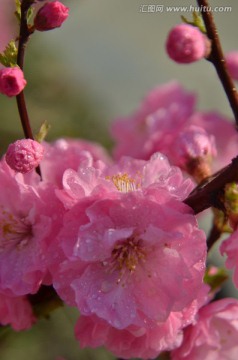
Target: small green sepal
x=9, y=57
x=29, y=16
x=18, y=10
x=197, y=21
x=43, y=131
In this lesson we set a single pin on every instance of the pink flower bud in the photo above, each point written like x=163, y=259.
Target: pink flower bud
x=12, y=81
x=193, y=151
x=232, y=64
x=50, y=16
x=24, y=155
x=186, y=44
x=193, y=143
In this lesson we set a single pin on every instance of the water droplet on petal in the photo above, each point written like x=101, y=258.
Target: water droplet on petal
x=106, y=286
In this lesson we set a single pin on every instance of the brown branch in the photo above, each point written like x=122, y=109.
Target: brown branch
x=207, y=194
x=23, y=39
x=24, y=36
x=217, y=57
x=25, y=122
x=213, y=236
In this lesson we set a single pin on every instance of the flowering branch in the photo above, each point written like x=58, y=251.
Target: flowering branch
x=208, y=193
x=217, y=57
x=23, y=39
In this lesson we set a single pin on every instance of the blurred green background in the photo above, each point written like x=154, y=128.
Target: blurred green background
x=95, y=68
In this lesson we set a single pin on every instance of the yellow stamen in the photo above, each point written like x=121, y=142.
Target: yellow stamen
x=124, y=183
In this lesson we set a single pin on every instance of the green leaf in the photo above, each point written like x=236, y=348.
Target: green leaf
x=186, y=21
x=197, y=22
x=18, y=10
x=30, y=13
x=9, y=57
x=44, y=129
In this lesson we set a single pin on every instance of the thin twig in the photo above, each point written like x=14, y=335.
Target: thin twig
x=23, y=39
x=24, y=36
x=217, y=57
x=207, y=194
x=213, y=236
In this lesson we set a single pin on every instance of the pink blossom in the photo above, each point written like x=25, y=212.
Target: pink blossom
x=17, y=312
x=124, y=246
x=230, y=248
x=133, y=242
x=151, y=128
x=186, y=44
x=12, y=81
x=232, y=64
x=154, y=179
x=50, y=16
x=70, y=154
x=24, y=155
x=30, y=217
x=214, y=336
x=217, y=125
x=162, y=118
x=193, y=143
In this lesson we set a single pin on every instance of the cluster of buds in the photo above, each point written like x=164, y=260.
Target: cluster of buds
x=50, y=16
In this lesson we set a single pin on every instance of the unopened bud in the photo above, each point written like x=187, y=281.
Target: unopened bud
x=193, y=151
x=186, y=44
x=24, y=155
x=12, y=81
x=50, y=16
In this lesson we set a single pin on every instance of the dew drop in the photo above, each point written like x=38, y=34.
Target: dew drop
x=106, y=286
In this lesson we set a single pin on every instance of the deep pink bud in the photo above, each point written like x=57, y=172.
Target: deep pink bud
x=193, y=143
x=186, y=44
x=12, y=81
x=50, y=16
x=24, y=155
x=193, y=151
x=232, y=64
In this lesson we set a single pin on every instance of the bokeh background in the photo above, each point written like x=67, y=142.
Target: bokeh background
x=95, y=68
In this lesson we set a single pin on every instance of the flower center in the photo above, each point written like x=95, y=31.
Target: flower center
x=124, y=183
x=126, y=256
x=15, y=232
